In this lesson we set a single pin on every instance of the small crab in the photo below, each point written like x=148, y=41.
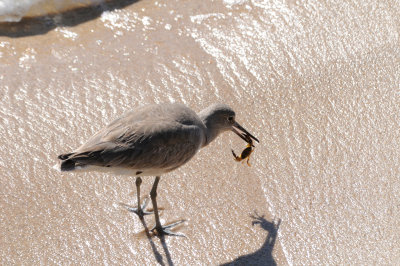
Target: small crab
x=246, y=152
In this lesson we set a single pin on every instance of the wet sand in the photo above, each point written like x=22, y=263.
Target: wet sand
x=317, y=84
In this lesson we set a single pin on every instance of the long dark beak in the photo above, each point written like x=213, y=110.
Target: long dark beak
x=244, y=134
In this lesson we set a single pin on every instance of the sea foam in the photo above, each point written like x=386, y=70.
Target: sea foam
x=15, y=10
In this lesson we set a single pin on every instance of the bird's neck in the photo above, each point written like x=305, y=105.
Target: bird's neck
x=211, y=132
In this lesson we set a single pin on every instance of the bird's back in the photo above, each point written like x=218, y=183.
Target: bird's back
x=152, y=137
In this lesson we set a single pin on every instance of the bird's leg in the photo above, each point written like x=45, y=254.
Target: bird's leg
x=140, y=208
x=161, y=230
x=153, y=195
x=248, y=159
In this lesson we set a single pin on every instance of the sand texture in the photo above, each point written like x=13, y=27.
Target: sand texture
x=317, y=83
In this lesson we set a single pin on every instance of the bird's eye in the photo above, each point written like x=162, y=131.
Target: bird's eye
x=230, y=118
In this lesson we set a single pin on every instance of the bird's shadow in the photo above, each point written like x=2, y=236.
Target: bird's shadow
x=42, y=24
x=263, y=256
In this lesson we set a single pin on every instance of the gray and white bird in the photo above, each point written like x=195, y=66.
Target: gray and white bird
x=151, y=141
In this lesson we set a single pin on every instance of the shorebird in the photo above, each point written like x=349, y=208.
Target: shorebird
x=151, y=141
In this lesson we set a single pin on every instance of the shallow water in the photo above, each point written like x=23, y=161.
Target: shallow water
x=317, y=83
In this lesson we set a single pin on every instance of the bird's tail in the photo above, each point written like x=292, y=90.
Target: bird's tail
x=67, y=163
x=76, y=161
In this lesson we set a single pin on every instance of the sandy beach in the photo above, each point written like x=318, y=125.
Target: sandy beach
x=317, y=83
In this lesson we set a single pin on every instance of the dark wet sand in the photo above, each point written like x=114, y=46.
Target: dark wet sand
x=318, y=85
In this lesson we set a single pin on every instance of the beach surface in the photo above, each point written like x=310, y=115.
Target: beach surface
x=317, y=83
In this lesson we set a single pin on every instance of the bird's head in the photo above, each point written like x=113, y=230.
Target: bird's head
x=219, y=118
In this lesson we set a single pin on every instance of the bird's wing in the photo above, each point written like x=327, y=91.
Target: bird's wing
x=141, y=144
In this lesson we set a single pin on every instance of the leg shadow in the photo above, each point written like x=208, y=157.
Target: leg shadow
x=157, y=254
x=150, y=236
x=263, y=256
x=42, y=24
x=166, y=251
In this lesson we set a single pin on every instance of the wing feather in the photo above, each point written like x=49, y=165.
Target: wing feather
x=142, y=142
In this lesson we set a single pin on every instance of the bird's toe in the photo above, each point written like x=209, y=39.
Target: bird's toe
x=166, y=229
x=140, y=211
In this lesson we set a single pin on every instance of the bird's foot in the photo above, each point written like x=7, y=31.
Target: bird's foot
x=141, y=211
x=165, y=230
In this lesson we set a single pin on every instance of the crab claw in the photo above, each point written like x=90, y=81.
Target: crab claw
x=234, y=154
